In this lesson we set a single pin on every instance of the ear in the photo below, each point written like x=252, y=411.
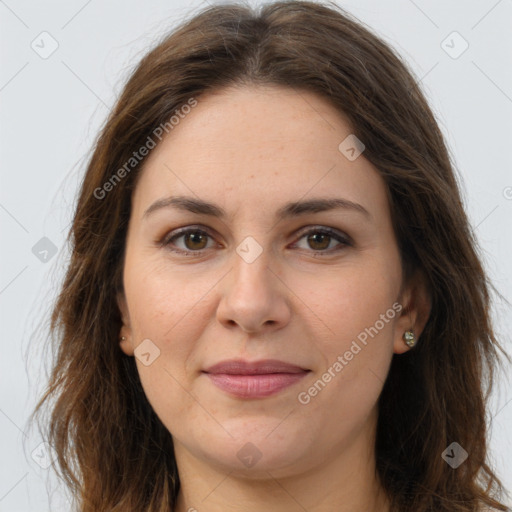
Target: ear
x=126, y=331
x=416, y=302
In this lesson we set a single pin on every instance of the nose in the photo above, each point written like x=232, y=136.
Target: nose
x=253, y=297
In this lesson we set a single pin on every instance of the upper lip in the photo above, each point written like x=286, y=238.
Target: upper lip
x=242, y=367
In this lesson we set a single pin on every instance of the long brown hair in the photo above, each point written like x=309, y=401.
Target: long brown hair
x=113, y=451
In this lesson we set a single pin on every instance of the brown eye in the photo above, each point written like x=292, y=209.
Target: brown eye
x=195, y=240
x=319, y=240
x=187, y=241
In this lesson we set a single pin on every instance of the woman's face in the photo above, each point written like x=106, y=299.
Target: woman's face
x=263, y=273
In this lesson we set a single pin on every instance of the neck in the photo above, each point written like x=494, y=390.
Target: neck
x=345, y=482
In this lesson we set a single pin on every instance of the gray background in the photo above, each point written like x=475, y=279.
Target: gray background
x=52, y=108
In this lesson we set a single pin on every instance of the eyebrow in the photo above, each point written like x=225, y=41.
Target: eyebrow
x=292, y=209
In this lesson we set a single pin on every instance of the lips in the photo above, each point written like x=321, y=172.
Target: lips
x=258, y=379
x=241, y=367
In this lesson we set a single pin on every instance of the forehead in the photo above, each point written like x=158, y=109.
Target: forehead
x=268, y=144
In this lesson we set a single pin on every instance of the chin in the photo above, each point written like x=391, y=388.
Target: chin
x=256, y=455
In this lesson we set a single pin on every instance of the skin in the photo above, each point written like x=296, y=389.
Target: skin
x=250, y=150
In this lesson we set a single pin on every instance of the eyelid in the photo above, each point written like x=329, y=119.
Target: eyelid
x=341, y=237
x=325, y=229
x=178, y=232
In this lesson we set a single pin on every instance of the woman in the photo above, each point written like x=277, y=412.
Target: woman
x=274, y=300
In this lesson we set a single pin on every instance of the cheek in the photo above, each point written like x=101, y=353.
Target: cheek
x=170, y=310
x=164, y=309
x=351, y=298
x=355, y=306
x=162, y=301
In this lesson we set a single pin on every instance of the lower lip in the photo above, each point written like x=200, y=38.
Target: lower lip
x=255, y=386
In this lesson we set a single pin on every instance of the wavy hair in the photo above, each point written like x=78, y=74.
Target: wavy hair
x=113, y=452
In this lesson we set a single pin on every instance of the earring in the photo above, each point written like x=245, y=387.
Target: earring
x=123, y=338
x=409, y=339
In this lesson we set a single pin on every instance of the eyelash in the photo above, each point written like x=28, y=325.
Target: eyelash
x=167, y=240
